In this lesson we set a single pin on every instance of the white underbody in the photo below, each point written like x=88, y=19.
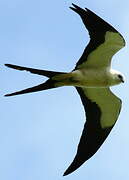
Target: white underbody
x=91, y=78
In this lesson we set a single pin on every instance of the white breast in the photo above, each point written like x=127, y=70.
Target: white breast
x=94, y=78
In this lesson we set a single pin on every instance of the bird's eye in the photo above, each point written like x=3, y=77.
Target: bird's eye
x=120, y=77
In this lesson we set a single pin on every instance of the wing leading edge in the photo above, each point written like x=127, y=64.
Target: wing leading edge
x=102, y=109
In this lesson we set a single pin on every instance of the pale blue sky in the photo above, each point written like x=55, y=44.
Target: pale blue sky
x=39, y=132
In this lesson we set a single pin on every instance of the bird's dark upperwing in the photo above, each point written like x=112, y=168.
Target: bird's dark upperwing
x=105, y=40
x=102, y=109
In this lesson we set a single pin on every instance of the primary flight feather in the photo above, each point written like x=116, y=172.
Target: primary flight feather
x=92, y=78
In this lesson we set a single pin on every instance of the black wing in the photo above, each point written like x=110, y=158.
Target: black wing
x=102, y=109
x=97, y=28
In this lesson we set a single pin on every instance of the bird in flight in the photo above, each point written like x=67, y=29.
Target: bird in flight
x=92, y=77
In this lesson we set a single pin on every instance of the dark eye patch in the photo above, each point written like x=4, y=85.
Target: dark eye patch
x=120, y=77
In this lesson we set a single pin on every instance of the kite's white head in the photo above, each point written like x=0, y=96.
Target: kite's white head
x=117, y=76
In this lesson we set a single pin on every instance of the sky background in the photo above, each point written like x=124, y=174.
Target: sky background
x=39, y=132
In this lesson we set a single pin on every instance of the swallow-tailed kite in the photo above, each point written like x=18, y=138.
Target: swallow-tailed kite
x=92, y=78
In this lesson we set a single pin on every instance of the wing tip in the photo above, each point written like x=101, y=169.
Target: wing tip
x=65, y=174
x=68, y=171
x=87, y=12
x=75, y=6
x=77, y=162
x=78, y=9
x=71, y=168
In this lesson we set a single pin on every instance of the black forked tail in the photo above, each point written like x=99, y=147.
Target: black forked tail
x=46, y=73
x=49, y=84
x=44, y=86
